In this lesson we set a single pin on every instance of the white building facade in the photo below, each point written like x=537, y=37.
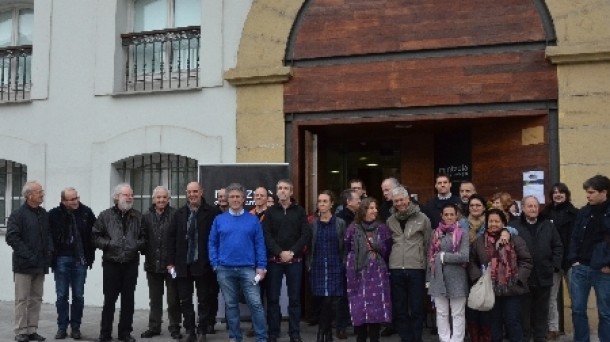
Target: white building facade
x=95, y=93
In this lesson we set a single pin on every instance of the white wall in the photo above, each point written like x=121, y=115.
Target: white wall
x=74, y=128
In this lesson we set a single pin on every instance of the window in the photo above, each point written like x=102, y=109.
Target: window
x=147, y=171
x=15, y=53
x=163, y=49
x=12, y=178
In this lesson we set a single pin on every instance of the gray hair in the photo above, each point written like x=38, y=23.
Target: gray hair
x=235, y=187
x=530, y=196
x=285, y=181
x=161, y=188
x=27, y=188
x=117, y=191
x=63, y=192
x=400, y=191
x=393, y=181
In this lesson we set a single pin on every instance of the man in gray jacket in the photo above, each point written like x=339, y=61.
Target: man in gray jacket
x=118, y=233
x=410, y=236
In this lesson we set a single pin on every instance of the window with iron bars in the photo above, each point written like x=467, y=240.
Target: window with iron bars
x=15, y=53
x=162, y=51
x=12, y=178
x=147, y=171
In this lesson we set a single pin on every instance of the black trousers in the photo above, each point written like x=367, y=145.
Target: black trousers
x=535, y=306
x=205, y=301
x=157, y=282
x=118, y=279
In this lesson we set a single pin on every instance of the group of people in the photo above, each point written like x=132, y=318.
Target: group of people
x=374, y=263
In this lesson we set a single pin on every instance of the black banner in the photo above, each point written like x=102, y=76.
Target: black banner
x=250, y=176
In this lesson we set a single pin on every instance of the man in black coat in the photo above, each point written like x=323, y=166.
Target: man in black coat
x=71, y=226
x=432, y=209
x=545, y=246
x=187, y=256
x=28, y=233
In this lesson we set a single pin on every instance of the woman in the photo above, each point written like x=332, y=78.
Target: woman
x=368, y=243
x=447, y=276
x=502, y=201
x=510, y=266
x=325, y=262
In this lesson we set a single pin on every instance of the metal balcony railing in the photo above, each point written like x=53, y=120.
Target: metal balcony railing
x=164, y=59
x=15, y=73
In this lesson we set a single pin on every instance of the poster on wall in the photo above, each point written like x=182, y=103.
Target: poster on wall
x=213, y=177
x=533, y=184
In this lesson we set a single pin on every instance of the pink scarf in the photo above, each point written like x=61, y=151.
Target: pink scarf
x=437, y=236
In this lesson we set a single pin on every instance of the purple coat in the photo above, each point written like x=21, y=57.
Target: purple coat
x=368, y=290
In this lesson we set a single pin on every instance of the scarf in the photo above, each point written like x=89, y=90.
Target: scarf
x=503, y=263
x=79, y=252
x=192, y=238
x=474, y=224
x=437, y=236
x=367, y=241
x=404, y=215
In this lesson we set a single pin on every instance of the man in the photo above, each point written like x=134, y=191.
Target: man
x=28, y=234
x=286, y=234
x=387, y=186
x=237, y=254
x=544, y=244
x=467, y=189
x=71, y=229
x=260, y=202
x=562, y=213
x=589, y=256
x=118, y=233
x=352, y=199
x=356, y=185
x=187, y=255
x=432, y=209
x=411, y=233
x=221, y=200
x=156, y=223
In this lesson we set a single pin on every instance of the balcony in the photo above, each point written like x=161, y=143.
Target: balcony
x=15, y=73
x=162, y=60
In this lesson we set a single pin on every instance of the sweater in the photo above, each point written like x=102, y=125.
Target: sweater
x=237, y=241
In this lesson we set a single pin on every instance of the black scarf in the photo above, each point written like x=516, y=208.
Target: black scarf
x=366, y=244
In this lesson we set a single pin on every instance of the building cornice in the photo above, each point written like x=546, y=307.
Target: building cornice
x=258, y=75
x=578, y=53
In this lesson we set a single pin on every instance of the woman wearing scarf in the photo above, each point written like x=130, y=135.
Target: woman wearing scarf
x=446, y=275
x=368, y=243
x=510, y=265
x=325, y=262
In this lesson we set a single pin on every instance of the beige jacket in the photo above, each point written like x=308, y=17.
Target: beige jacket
x=409, y=247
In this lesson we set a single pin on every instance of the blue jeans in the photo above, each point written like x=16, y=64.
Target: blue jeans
x=275, y=274
x=232, y=280
x=408, y=294
x=506, y=313
x=582, y=279
x=69, y=275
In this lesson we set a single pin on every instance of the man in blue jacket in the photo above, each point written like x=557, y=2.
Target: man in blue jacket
x=590, y=258
x=237, y=254
x=29, y=235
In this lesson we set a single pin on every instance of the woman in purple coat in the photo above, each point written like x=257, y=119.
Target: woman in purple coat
x=368, y=243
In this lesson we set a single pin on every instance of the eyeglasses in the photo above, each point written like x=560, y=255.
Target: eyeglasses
x=72, y=199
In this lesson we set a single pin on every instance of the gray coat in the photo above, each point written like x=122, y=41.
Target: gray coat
x=450, y=279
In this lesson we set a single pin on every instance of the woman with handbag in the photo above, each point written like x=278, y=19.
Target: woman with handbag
x=510, y=265
x=446, y=274
x=368, y=242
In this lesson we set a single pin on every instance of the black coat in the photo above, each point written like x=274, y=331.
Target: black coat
x=28, y=233
x=286, y=230
x=563, y=217
x=59, y=219
x=156, y=228
x=546, y=250
x=177, y=242
x=119, y=234
x=432, y=209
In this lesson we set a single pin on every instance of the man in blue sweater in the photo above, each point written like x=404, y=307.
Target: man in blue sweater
x=237, y=253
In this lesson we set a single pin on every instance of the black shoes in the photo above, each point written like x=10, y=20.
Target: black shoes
x=388, y=331
x=296, y=339
x=75, y=334
x=61, y=334
x=210, y=329
x=104, y=339
x=150, y=333
x=22, y=338
x=176, y=335
x=35, y=337
x=127, y=338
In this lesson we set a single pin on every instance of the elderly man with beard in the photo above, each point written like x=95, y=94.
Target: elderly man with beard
x=187, y=255
x=411, y=233
x=119, y=234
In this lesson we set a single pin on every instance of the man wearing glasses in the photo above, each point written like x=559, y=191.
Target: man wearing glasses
x=118, y=233
x=71, y=225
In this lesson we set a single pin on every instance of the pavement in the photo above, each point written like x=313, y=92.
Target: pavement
x=47, y=327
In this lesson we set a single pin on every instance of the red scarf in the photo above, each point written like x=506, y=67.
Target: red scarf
x=503, y=263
